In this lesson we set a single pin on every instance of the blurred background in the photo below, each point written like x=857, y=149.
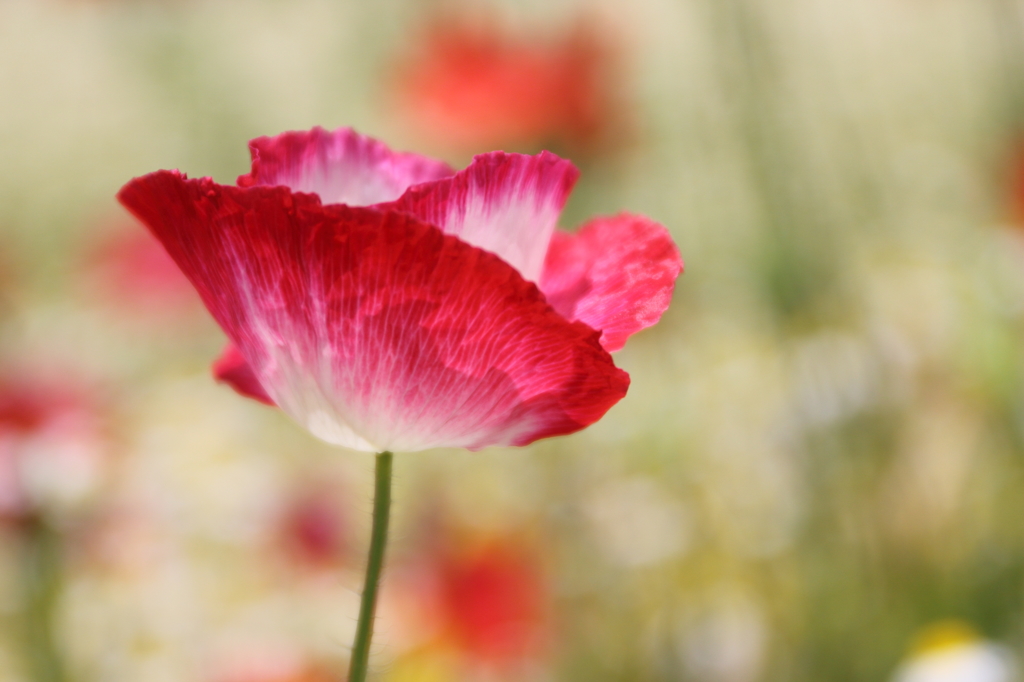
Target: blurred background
x=818, y=473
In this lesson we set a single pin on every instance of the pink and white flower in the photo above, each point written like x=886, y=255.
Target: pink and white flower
x=387, y=302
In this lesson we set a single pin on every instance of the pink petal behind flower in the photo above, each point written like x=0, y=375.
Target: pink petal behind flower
x=507, y=204
x=375, y=330
x=616, y=274
x=341, y=167
x=232, y=369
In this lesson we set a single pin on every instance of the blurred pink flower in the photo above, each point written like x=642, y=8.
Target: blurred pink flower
x=474, y=86
x=52, y=446
x=313, y=529
x=444, y=312
x=270, y=664
x=133, y=271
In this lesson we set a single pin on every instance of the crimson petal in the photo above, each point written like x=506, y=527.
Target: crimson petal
x=232, y=368
x=507, y=204
x=616, y=274
x=376, y=330
x=341, y=166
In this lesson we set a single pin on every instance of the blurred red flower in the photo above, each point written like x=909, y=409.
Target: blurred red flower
x=474, y=602
x=414, y=321
x=475, y=86
x=494, y=600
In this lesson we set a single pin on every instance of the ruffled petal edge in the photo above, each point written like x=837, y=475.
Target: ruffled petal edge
x=616, y=274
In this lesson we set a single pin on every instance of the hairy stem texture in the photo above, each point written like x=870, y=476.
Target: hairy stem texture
x=374, y=565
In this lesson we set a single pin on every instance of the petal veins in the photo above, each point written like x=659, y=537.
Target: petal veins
x=340, y=166
x=374, y=329
x=507, y=204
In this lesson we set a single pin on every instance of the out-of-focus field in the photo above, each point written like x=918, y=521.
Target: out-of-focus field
x=818, y=473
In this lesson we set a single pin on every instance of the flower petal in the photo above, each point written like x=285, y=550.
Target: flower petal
x=373, y=329
x=341, y=167
x=507, y=204
x=232, y=368
x=616, y=274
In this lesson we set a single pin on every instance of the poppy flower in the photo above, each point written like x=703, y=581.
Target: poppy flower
x=388, y=303
x=473, y=86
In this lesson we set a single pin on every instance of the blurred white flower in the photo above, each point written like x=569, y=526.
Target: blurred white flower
x=951, y=651
x=637, y=523
x=725, y=640
x=834, y=376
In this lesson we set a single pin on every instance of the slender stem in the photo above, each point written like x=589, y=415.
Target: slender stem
x=41, y=576
x=378, y=539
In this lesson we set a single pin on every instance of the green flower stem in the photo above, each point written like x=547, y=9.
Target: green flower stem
x=41, y=573
x=378, y=539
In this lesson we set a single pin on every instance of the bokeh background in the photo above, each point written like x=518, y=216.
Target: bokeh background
x=818, y=473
